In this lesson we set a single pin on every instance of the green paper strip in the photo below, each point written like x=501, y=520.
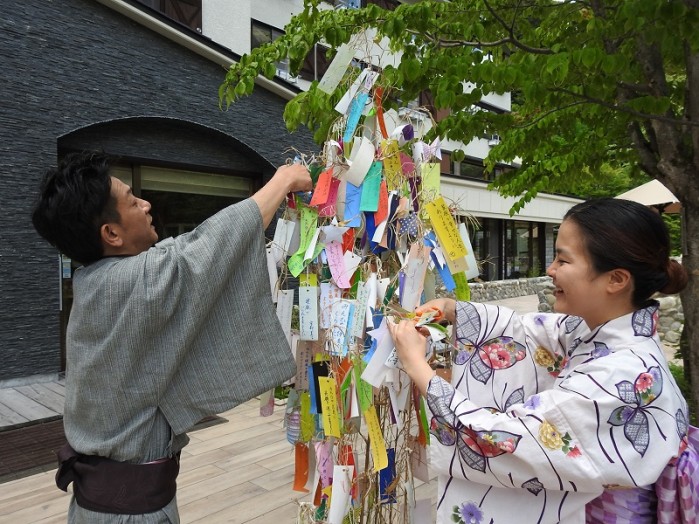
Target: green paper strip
x=307, y=424
x=423, y=420
x=462, y=292
x=370, y=188
x=365, y=392
x=309, y=224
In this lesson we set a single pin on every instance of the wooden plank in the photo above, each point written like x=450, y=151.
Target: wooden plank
x=9, y=417
x=57, y=387
x=286, y=514
x=231, y=499
x=44, y=396
x=26, y=407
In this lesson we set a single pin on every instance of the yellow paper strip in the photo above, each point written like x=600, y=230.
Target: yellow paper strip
x=328, y=402
x=308, y=280
x=391, y=163
x=376, y=441
x=430, y=180
x=445, y=227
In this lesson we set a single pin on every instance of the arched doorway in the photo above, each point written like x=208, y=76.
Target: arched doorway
x=185, y=170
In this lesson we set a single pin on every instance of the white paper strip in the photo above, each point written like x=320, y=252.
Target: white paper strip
x=282, y=239
x=339, y=320
x=272, y=272
x=308, y=312
x=472, y=271
x=329, y=294
x=285, y=303
x=372, y=292
x=376, y=369
x=359, y=316
x=360, y=161
x=336, y=69
x=340, y=500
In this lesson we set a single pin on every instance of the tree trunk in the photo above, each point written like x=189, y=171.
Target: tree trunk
x=690, y=297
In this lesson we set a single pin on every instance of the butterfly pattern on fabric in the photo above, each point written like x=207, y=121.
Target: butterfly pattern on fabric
x=500, y=352
x=645, y=321
x=475, y=447
x=633, y=416
x=639, y=395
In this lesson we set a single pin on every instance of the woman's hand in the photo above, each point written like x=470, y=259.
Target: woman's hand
x=446, y=305
x=410, y=347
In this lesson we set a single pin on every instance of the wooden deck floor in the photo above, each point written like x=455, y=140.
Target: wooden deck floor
x=240, y=471
x=22, y=405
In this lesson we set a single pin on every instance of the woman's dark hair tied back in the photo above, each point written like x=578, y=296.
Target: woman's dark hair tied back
x=677, y=278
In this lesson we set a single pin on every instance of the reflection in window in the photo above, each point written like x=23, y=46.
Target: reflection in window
x=186, y=12
x=523, y=249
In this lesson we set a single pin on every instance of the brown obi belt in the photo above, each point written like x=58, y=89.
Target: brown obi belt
x=108, y=486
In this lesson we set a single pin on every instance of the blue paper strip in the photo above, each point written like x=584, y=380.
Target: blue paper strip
x=356, y=110
x=386, y=477
x=353, y=197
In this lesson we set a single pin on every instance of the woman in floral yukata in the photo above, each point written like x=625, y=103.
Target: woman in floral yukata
x=547, y=412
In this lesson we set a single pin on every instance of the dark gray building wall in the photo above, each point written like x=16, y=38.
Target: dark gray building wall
x=71, y=64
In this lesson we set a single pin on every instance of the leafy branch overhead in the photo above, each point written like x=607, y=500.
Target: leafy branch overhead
x=604, y=81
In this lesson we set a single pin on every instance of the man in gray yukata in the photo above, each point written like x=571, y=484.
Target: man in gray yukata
x=160, y=335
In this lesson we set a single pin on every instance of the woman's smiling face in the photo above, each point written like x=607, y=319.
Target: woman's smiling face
x=580, y=290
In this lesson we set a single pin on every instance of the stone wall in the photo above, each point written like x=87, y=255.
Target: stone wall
x=501, y=289
x=670, y=322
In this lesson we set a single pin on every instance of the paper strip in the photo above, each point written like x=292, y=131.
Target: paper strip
x=300, y=467
x=359, y=317
x=353, y=196
x=336, y=70
x=445, y=227
x=414, y=270
x=360, y=161
x=308, y=307
x=322, y=189
x=340, y=313
x=285, y=303
x=272, y=272
x=340, y=501
x=472, y=271
x=328, y=400
x=329, y=294
x=370, y=188
x=376, y=441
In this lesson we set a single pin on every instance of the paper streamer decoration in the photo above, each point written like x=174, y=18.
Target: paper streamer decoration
x=368, y=243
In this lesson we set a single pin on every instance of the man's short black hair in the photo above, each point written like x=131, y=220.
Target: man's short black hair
x=74, y=201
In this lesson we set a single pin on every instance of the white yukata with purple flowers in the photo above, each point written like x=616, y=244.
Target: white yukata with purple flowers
x=542, y=414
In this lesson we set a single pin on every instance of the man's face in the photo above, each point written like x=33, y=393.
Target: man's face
x=135, y=225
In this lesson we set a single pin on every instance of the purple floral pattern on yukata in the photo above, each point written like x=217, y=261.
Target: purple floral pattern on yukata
x=468, y=513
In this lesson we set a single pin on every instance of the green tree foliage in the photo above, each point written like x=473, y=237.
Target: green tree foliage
x=600, y=82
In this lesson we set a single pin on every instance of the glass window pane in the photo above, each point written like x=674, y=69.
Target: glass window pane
x=179, y=181
x=260, y=35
